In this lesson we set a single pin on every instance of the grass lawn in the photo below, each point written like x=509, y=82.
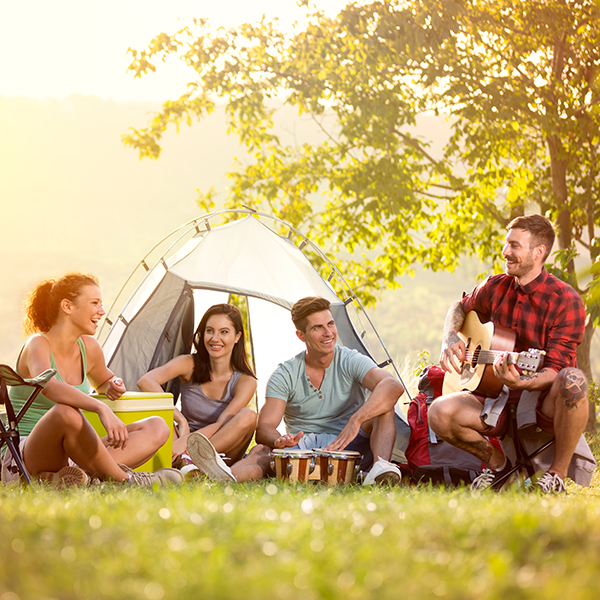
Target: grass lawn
x=273, y=540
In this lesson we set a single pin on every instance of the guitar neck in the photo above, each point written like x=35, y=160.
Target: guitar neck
x=487, y=357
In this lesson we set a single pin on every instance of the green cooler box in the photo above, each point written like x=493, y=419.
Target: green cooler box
x=133, y=406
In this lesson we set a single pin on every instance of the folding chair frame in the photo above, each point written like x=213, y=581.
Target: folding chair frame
x=9, y=433
x=524, y=462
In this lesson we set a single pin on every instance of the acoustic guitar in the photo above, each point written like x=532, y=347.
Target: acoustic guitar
x=484, y=343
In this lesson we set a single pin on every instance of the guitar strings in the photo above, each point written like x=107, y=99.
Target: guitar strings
x=484, y=356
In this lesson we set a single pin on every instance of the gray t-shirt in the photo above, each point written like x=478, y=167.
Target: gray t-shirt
x=324, y=410
x=199, y=409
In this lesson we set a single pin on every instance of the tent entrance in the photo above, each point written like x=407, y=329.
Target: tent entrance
x=262, y=263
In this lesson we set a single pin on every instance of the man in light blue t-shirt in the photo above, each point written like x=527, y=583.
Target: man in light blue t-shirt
x=322, y=395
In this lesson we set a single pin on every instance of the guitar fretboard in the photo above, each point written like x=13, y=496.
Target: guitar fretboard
x=487, y=357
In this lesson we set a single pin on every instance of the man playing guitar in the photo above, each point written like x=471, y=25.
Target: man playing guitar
x=544, y=313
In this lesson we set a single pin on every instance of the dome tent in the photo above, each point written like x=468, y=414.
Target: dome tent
x=205, y=264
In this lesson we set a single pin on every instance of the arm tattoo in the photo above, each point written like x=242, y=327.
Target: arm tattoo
x=454, y=322
x=533, y=376
x=456, y=317
x=452, y=338
x=528, y=376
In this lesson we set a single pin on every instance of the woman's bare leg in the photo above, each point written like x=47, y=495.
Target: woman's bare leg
x=63, y=433
x=145, y=438
x=233, y=437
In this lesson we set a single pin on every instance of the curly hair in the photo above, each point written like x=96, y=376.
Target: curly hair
x=42, y=304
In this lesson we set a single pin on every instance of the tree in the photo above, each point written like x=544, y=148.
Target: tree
x=518, y=83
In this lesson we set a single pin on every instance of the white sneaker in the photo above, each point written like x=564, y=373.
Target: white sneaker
x=495, y=480
x=207, y=459
x=484, y=480
x=191, y=472
x=161, y=476
x=383, y=472
x=550, y=482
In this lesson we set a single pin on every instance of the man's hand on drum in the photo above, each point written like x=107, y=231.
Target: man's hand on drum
x=346, y=436
x=288, y=440
x=454, y=352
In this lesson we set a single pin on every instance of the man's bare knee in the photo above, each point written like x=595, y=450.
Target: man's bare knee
x=383, y=420
x=573, y=387
x=439, y=415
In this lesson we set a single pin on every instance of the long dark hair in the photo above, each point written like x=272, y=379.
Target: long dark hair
x=239, y=358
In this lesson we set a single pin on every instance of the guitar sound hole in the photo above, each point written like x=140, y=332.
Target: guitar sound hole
x=468, y=368
x=475, y=359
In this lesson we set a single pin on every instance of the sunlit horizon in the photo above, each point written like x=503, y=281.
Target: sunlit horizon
x=57, y=49
x=63, y=157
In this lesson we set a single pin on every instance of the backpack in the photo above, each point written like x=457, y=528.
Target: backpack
x=429, y=458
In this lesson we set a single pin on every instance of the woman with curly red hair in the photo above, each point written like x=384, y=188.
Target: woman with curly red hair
x=58, y=443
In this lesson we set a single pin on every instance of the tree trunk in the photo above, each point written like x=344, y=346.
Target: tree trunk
x=584, y=363
x=558, y=168
x=558, y=172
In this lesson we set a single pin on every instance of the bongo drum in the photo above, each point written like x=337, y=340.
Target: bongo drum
x=338, y=467
x=292, y=465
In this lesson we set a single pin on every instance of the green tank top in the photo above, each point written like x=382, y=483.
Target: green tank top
x=41, y=405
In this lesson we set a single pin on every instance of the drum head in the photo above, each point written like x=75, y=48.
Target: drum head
x=291, y=453
x=343, y=454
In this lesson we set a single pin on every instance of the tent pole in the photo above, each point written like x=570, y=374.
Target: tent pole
x=251, y=342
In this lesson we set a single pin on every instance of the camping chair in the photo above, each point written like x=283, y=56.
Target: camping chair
x=523, y=466
x=9, y=433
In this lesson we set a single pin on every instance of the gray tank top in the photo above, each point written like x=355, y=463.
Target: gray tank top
x=199, y=409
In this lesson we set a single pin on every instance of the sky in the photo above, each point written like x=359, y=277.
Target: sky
x=54, y=48
x=63, y=154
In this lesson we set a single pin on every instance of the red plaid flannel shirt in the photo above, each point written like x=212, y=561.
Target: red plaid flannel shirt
x=547, y=314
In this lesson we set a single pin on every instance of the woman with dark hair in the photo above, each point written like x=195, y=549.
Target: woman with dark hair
x=58, y=444
x=217, y=386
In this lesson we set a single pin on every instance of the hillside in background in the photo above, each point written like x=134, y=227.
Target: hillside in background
x=72, y=197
